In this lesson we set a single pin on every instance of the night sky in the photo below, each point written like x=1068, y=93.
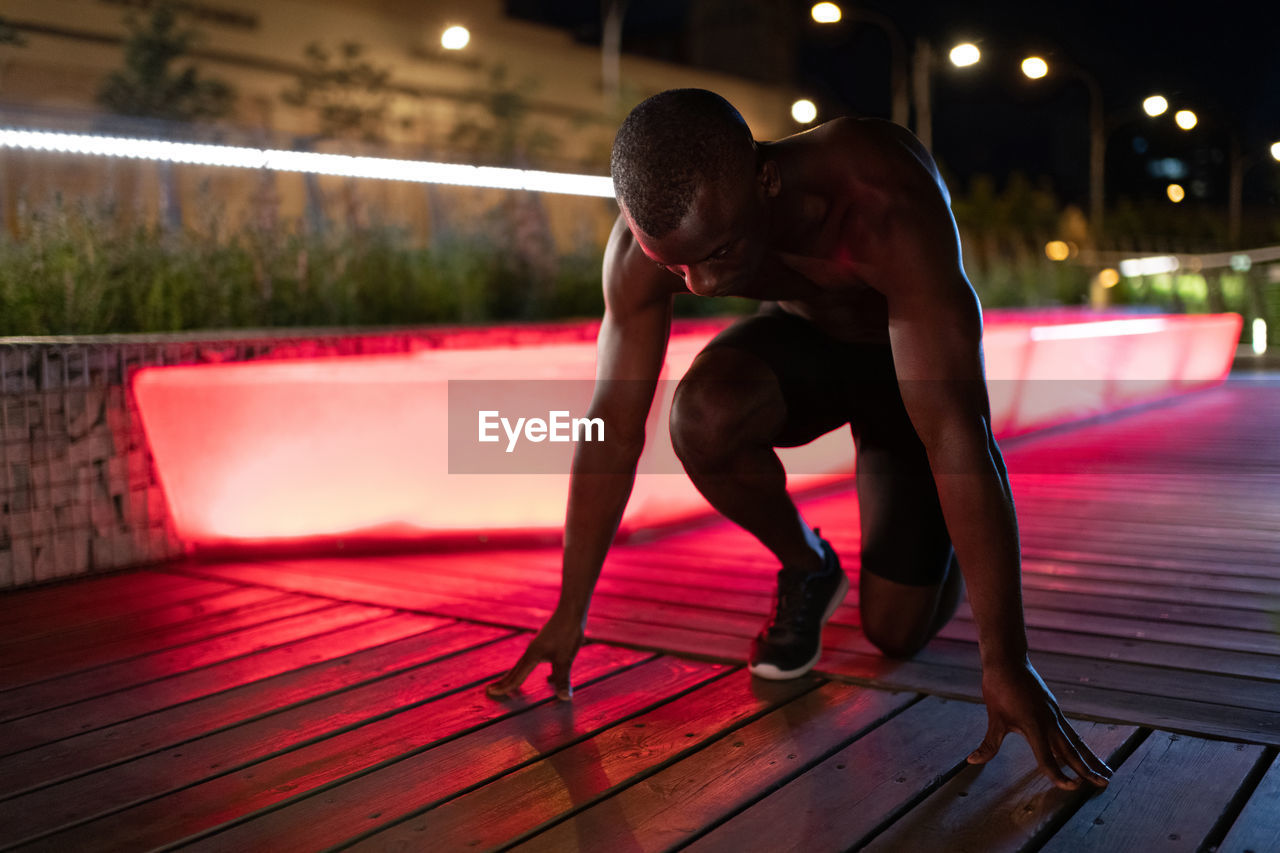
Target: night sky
x=1221, y=60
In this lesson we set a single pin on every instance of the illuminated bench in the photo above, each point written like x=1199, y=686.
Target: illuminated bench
x=316, y=452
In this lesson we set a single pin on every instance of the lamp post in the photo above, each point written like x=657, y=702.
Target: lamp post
x=1240, y=163
x=830, y=13
x=1034, y=68
x=611, y=51
x=923, y=61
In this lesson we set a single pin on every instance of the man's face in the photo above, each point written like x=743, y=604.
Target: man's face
x=718, y=246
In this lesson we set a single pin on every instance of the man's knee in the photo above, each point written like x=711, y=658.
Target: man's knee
x=704, y=422
x=716, y=409
x=901, y=624
x=893, y=639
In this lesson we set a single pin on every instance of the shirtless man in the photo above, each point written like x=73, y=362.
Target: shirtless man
x=845, y=234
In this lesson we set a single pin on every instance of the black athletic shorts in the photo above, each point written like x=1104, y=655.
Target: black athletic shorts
x=827, y=383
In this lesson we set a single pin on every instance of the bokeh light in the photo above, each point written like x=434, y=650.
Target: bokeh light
x=804, y=111
x=1185, y=119
x=1155, y=105
x=1175, y=192
x=825, y=13
x=1275, y=150
x=965, y=54
x=1035, y=67
x=1109, y=277
x=455, y=38
x=1057, y=250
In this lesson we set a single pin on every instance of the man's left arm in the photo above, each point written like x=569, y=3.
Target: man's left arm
x=935, y=329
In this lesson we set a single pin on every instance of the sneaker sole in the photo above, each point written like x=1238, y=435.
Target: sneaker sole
x=772, y=673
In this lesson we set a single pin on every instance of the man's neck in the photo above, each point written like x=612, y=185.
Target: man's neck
x=797, y=212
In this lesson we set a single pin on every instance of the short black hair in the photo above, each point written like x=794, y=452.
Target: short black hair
x=667, y=147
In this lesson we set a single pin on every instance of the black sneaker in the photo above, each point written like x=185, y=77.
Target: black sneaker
x=791, y=642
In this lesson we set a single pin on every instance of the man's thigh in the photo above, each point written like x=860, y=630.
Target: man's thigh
x=807, y=365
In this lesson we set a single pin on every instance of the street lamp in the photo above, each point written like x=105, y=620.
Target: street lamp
x=455, y=38
x=1156, y=105
x=804, y=111
x=1034, y=67
x=964, y=55
x=1185, y=119
x=825, y=13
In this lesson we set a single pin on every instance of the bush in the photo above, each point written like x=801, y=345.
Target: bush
x=76, y=272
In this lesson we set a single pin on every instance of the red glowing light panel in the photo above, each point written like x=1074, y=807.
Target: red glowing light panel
x=309, y=450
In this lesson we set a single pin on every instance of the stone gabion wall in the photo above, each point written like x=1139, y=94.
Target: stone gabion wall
x=79, y=490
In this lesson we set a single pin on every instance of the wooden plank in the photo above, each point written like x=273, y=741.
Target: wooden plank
x=205, y=668
x=32, y=679
x=1257, y=828
x=71, y=604
x=599, y=627
x=369, y=591
x=1179, y=610
x=999, y=807
x=67, y=687
x=194, y=810
x=450, y=662
x=1151, y=529
x=827, y=804
x=1191, y=578
x=1151, y=680
x=633, y=577
x=668, y=807
x=538, y=762
x=52, y=597
x=1168, y=795
x=1188, y=658
x=52, y=637
x=723, y=619
x=1149, y=593
x=1183, y=557
x=1169, y=712
x=134, y=759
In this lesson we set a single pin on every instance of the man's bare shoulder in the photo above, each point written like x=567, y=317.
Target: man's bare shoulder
x=631, y=278
x=884, y=154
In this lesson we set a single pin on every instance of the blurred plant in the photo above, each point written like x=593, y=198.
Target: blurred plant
x=351, y=98
x=149, y=86
x=9, y=37
x=499, y=130
x=80, y=269
x=350, y=95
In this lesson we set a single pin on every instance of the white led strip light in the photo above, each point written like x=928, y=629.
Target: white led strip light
x=1102, y=328
x=379, y=168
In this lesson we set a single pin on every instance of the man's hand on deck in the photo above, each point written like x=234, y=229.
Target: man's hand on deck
x=558, y=642
x=1018, y=701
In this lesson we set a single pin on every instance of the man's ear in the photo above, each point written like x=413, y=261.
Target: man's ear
x=770, y=180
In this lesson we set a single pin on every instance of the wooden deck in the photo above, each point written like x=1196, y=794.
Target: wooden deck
x=314, y=704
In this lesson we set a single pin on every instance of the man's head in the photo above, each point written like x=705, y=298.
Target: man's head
x=686, y=176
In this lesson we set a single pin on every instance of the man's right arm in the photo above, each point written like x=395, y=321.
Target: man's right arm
x=630, y=350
